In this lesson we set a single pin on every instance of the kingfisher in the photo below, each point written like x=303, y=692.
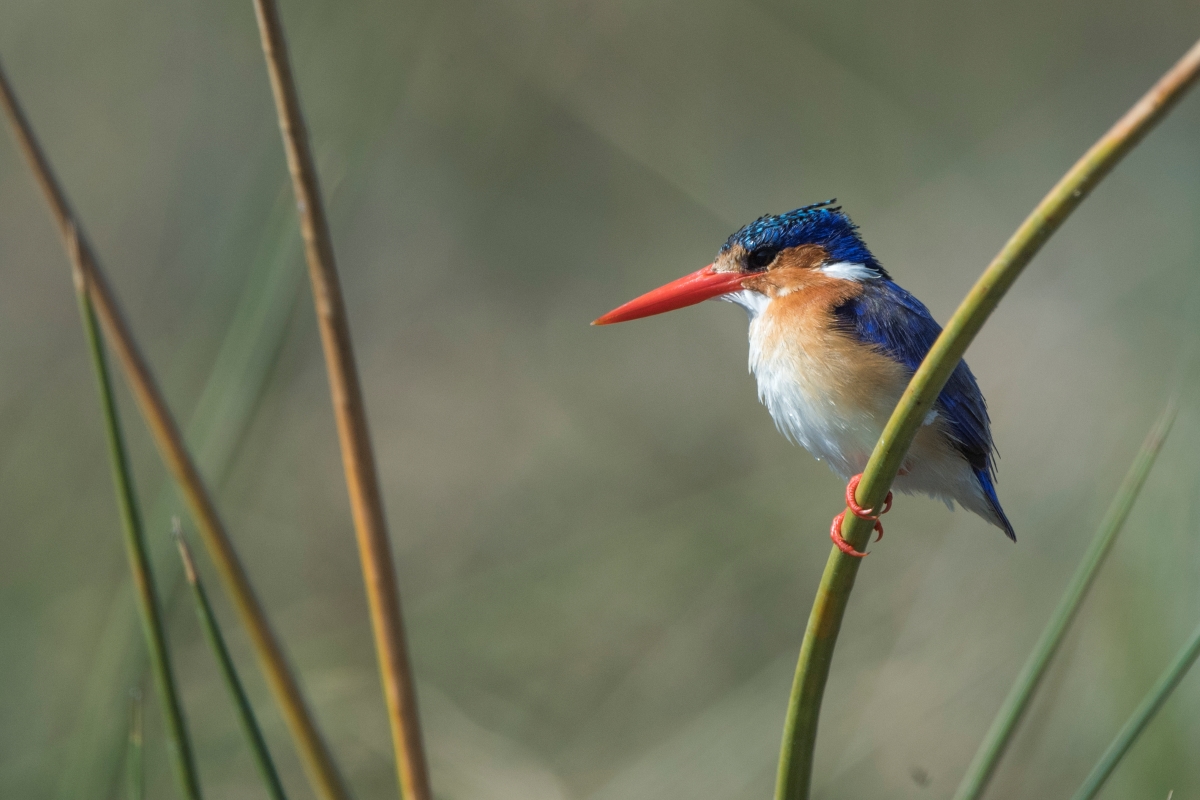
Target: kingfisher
x=834, y=342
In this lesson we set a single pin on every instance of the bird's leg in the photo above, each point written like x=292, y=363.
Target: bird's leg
x=835, y=532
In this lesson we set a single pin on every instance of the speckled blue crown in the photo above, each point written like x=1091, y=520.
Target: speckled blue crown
x=822, y=224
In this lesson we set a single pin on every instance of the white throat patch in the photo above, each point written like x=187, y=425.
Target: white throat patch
x=754, y=302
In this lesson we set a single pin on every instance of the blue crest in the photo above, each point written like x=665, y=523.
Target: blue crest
x=822, y=224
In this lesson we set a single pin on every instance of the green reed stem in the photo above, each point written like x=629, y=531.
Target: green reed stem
x=139, y=559
x=990, y=751
x=134, y=773
x=214, y=431
x=212, y=632
x=314, y=753
x=837, y=581
x=1140, y=719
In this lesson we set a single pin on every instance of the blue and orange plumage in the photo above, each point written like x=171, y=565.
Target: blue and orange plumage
x=833, y=343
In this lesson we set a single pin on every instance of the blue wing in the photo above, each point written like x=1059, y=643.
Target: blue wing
x=891, y=319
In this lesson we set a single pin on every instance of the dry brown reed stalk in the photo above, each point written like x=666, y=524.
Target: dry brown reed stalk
x=215, y=426
x=314, y=753
x=358, y=459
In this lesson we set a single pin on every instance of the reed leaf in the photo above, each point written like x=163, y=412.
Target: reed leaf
x=212, y=633
x=1140, y=718
x=992, y=748
x=214, y=430
x=358, y=458
x=833, y=593
x=135, y=547
x=314, y=752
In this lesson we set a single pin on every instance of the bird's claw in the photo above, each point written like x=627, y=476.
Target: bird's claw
x=835, y=532
x=859, y=511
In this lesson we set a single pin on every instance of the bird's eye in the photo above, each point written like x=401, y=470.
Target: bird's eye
x=761, y=258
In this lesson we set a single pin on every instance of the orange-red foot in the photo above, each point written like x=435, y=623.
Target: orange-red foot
x=835, y=532
x=859, y=511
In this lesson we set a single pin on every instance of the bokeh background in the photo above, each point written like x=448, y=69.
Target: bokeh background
x=606, y=552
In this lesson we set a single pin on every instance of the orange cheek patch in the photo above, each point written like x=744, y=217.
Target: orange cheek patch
x=806, y=257
x=797, y=271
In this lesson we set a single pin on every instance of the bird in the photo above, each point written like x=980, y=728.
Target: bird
x=834, y=342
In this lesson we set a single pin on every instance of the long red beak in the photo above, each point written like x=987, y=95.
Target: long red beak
x=686, y=291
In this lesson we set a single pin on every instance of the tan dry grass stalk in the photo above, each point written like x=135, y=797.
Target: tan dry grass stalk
x=216, y=425
x=358, y=459
x=314, y=753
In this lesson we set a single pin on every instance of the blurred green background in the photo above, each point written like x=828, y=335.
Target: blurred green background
x=606, y=552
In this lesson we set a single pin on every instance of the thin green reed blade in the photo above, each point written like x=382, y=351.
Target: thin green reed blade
x=212, y=632
x=990, y=751
x=216, y=427
x=178, y=741
x=1140, y=719
x=134, y=777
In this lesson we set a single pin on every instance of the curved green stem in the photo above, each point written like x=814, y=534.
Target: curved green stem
x=996, y=741
x=825, y=619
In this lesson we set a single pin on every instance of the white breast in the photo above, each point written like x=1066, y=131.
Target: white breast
x=813, y=390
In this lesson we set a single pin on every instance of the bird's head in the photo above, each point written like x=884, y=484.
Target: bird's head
x=772, y=256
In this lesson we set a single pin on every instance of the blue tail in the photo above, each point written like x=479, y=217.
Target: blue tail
x=989, y=491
